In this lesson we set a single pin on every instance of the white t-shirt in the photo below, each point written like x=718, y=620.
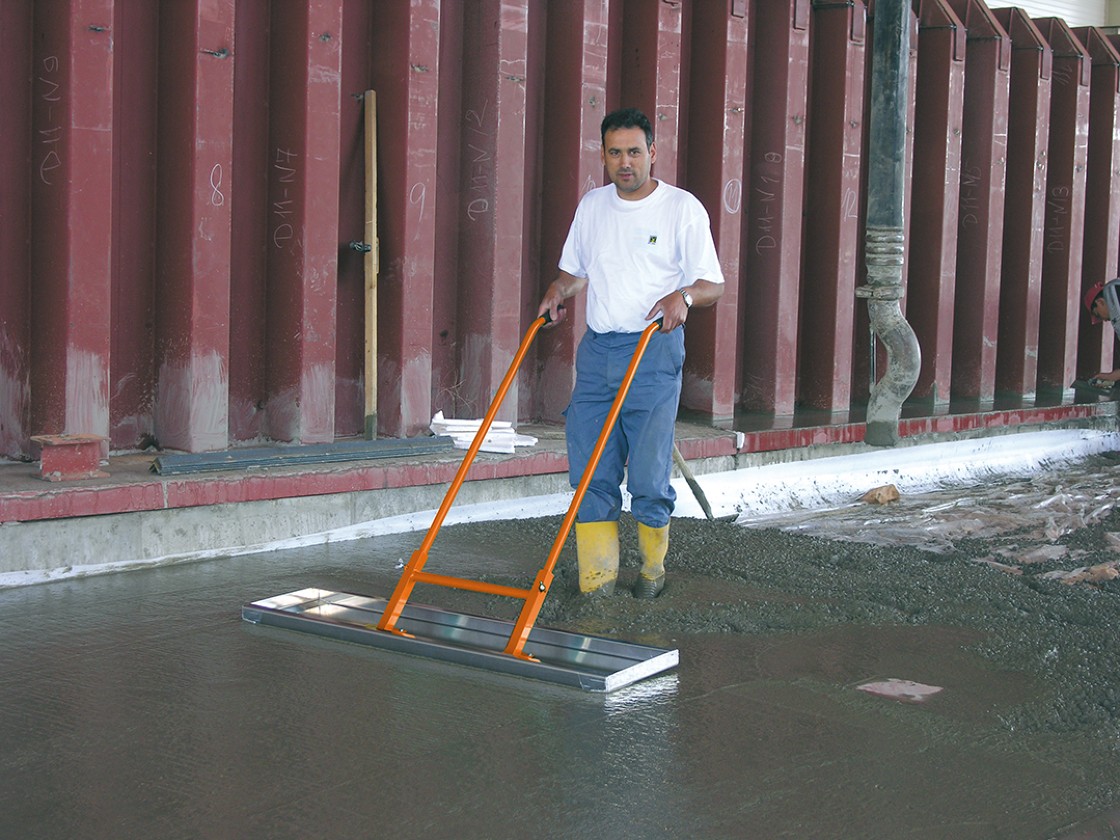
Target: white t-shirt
x=636, y=252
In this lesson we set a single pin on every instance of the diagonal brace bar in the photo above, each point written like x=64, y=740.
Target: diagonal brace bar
x=533, y=597
x=543, y=581
x=410, y=575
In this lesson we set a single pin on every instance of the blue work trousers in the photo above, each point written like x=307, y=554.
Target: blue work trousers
x=645, y=428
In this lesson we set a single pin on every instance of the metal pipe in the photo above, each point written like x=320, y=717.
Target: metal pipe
x=885, y=238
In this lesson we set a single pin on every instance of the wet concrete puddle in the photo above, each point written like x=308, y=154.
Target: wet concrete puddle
x=139, y=704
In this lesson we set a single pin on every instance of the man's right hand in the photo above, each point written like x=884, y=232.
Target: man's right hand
x=553, y=307
x=563, y=287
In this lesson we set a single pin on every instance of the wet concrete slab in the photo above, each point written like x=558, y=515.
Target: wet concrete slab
x=141, y=705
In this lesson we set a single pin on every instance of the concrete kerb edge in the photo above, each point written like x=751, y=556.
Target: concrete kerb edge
x=41, y=551
x=128, y=541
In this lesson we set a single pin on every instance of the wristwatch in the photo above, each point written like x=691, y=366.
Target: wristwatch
x=687, y=298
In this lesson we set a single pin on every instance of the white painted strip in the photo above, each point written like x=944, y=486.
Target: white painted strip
x=830, y=482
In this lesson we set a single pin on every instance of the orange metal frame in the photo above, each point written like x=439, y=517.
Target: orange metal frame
x=534, y=596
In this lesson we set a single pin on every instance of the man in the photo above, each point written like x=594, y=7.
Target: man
x=1103, y=305
x=643, y=249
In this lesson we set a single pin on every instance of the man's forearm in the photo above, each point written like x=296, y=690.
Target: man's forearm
x=563, y=287
x=704, y=292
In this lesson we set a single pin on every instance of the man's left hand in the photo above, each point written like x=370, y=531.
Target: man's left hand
x=672, y=310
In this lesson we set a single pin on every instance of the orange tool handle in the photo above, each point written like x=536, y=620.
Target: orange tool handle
x=409, y=576
x=533, y=604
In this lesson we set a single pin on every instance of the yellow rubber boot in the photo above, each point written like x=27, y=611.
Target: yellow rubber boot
x=653, y=544
x=597, y=553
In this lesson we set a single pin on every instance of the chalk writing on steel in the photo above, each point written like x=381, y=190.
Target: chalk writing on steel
x=972, y=182
x=1057, y=219
x=481, y=164
x=217, y=198
x=284, y=164
x=766, y=188
x=416, y=197
x=51, y=134
x=733, y=196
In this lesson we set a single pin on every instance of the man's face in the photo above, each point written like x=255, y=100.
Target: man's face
x=628, y=162
x=1100, y=309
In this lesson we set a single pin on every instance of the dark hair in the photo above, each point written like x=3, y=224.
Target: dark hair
x=626, y=118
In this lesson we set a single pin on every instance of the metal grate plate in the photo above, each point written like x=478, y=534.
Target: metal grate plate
x=591, y=663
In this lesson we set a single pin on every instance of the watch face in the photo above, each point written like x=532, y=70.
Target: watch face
x=687, y=299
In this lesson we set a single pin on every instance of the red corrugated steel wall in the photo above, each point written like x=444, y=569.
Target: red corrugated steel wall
x=15, y=228
x=980, y=216
x=182, y=181
x=935, y=193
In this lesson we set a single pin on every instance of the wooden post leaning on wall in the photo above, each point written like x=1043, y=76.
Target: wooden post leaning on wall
x=372, y=264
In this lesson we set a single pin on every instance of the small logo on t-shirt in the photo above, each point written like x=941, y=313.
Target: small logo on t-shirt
x=653, y=240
